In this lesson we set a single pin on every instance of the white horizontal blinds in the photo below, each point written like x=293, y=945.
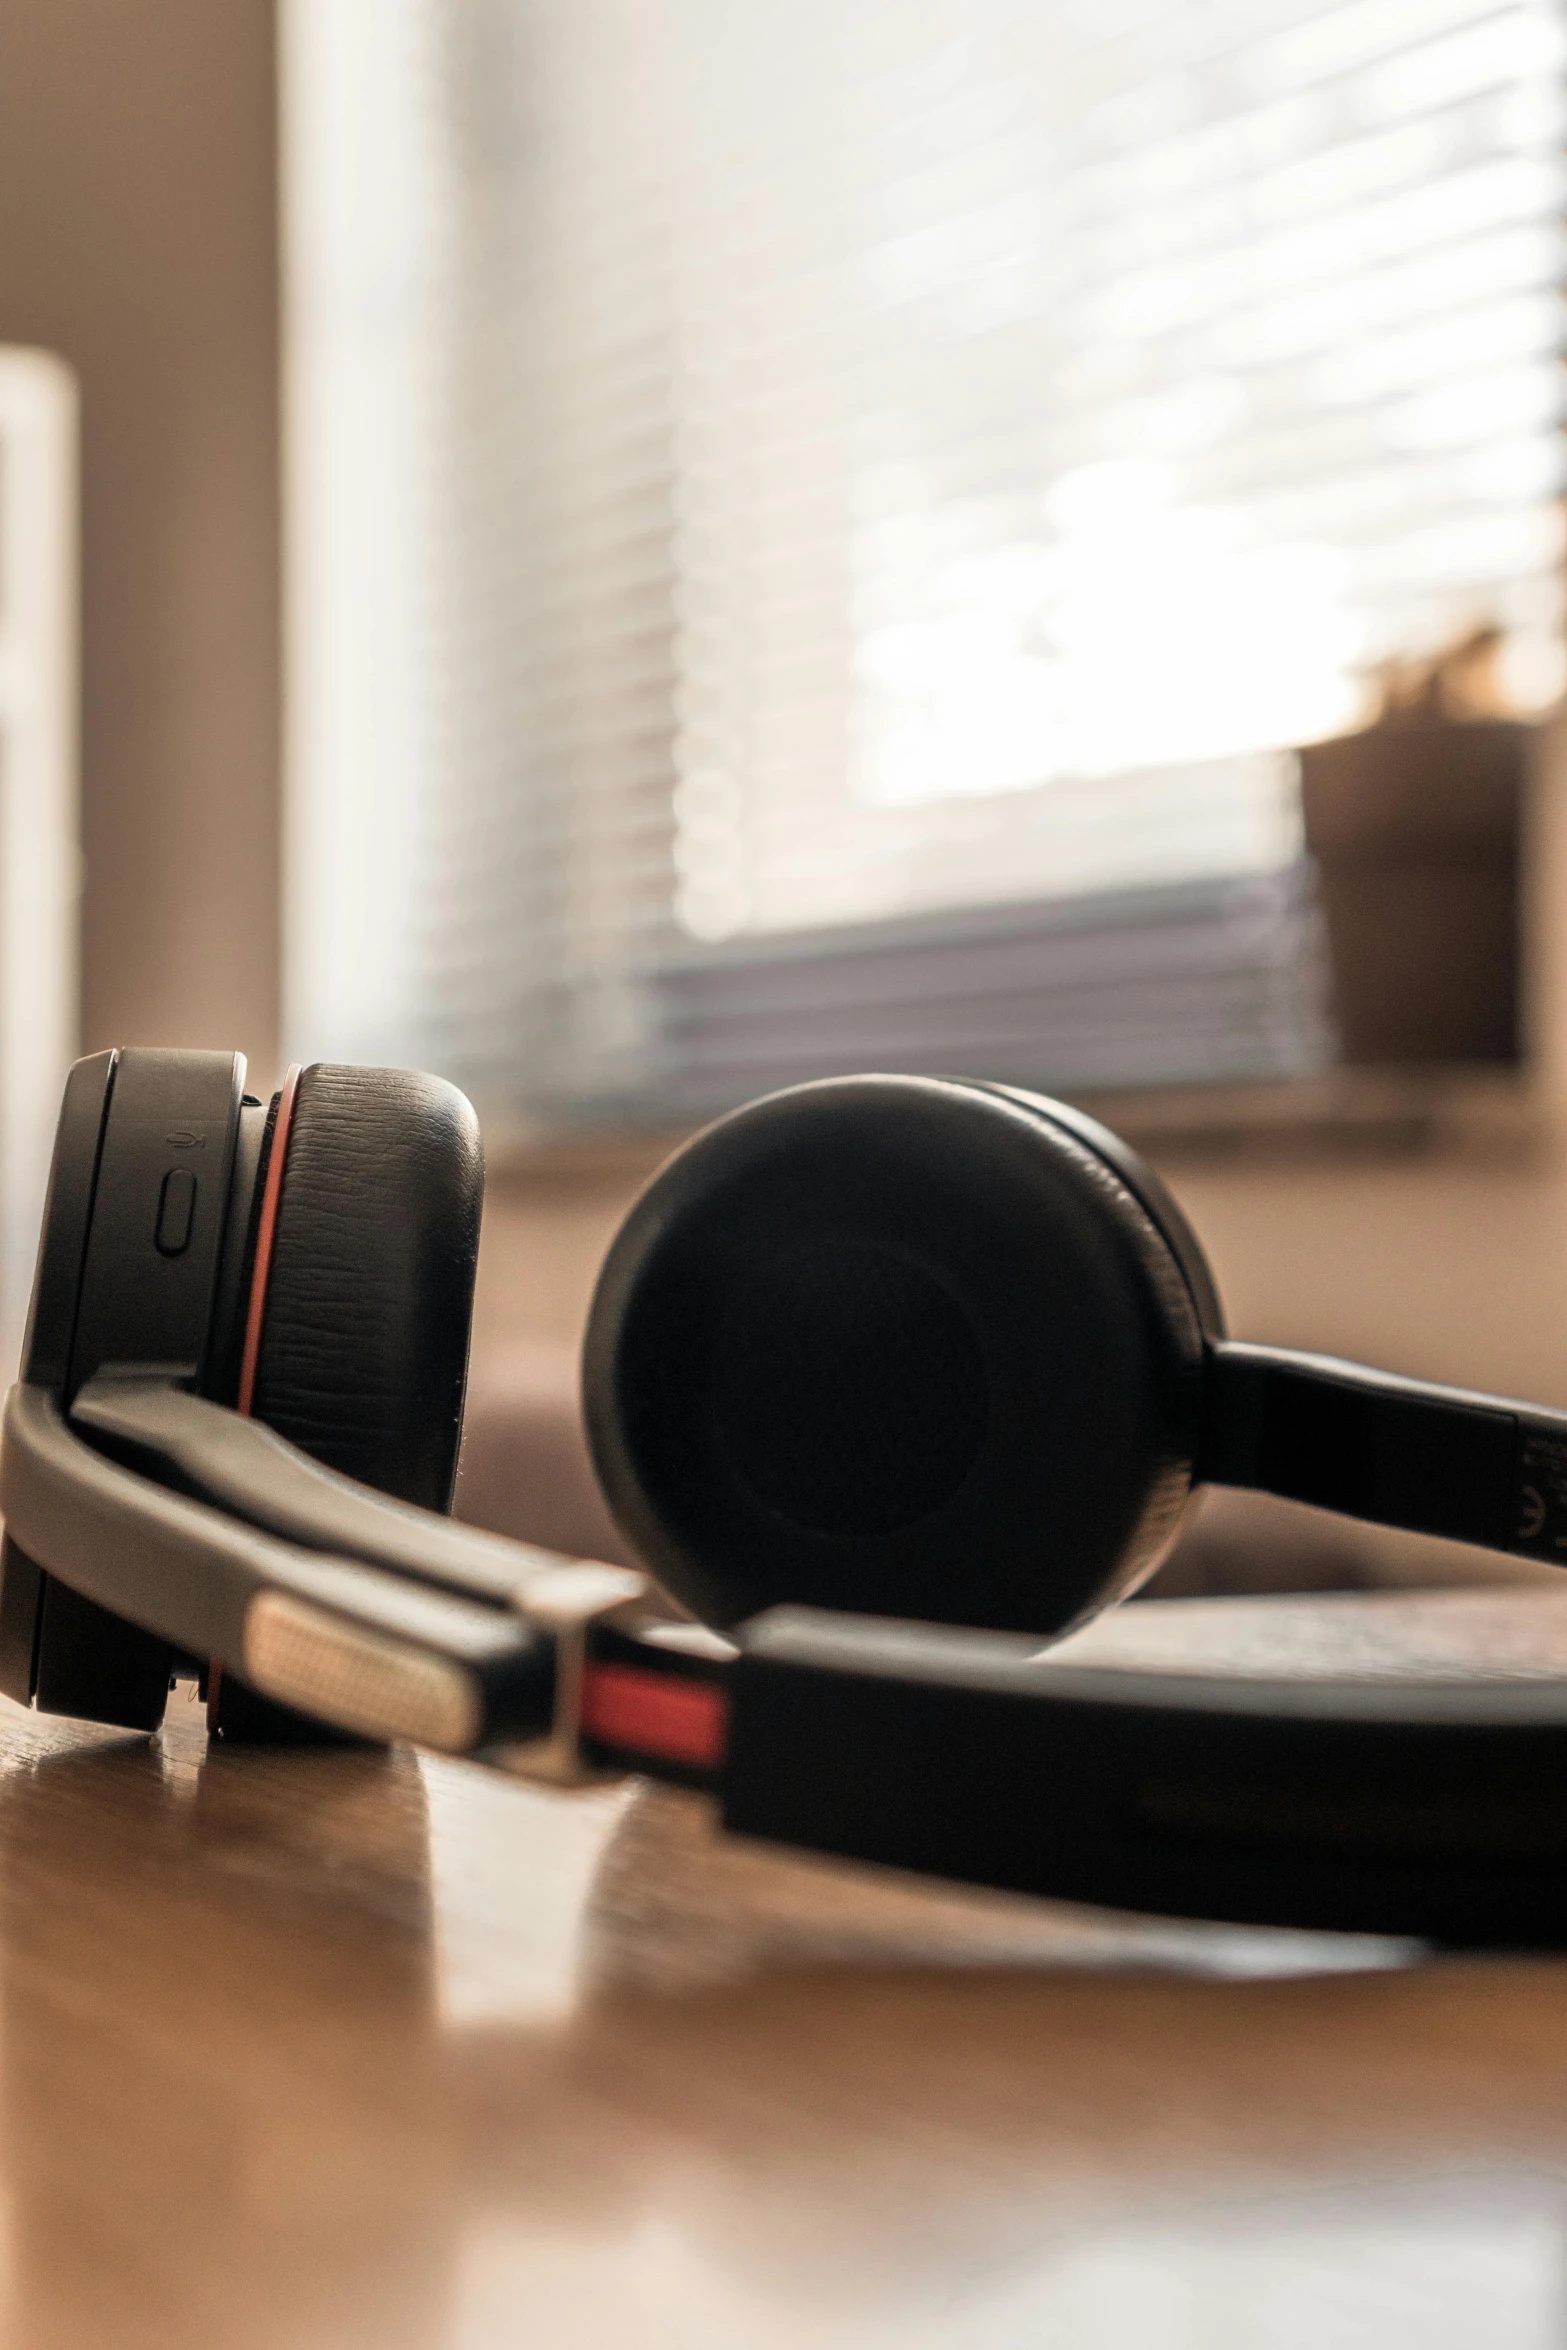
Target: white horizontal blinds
x=368, y=198
x=1082, y=396
x=548, y=872
x=1200, y=981
x=885, y=460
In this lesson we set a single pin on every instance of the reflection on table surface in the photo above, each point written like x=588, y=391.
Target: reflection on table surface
x=330, y=2048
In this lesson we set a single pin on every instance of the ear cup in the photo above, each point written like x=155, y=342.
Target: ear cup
x=363, y=1356
x=903, y=1346
x=1145, y=1187
x=109, y=1289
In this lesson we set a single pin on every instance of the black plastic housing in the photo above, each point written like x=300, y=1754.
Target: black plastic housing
x=109, y=1289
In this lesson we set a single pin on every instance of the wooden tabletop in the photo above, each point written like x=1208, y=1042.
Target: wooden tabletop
x=331, y=2048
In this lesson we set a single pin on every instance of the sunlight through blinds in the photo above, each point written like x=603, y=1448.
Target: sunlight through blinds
x=867, y=471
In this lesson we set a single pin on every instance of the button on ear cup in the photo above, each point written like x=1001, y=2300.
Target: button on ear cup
x=902, y=1346
x=364, y=1343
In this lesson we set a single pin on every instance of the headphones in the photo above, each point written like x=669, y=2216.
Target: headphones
x=885, y=1378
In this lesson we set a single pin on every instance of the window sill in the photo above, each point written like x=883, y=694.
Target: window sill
x=1486, y=1112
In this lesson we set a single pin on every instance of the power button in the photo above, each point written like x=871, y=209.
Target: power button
x=176, y=1208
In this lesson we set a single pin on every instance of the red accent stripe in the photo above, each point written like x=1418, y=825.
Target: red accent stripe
x=656, y=1714
x=266, y=1236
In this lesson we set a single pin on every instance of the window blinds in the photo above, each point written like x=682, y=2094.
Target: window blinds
x=788, y=491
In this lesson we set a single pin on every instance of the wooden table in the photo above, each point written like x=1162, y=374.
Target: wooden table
x=331, y=2048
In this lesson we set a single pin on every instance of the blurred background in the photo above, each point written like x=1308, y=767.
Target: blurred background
x=634, y=551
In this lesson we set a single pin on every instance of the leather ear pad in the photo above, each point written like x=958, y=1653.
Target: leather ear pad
x=364, y=1347
x=901, y=1346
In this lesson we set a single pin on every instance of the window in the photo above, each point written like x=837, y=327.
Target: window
x=818, y=532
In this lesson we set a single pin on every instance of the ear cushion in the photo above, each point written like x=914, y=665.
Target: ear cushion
x=901, y=1346
x=364, y=1346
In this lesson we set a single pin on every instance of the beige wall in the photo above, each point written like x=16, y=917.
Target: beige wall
x=138, y=238
x=1446, y=1271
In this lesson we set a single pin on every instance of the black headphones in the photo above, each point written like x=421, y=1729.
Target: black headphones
x=885, y=1378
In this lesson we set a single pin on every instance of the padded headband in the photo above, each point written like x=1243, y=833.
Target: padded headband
x=1439, y=1811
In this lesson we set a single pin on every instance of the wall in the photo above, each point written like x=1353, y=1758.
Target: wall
x=138, y=238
